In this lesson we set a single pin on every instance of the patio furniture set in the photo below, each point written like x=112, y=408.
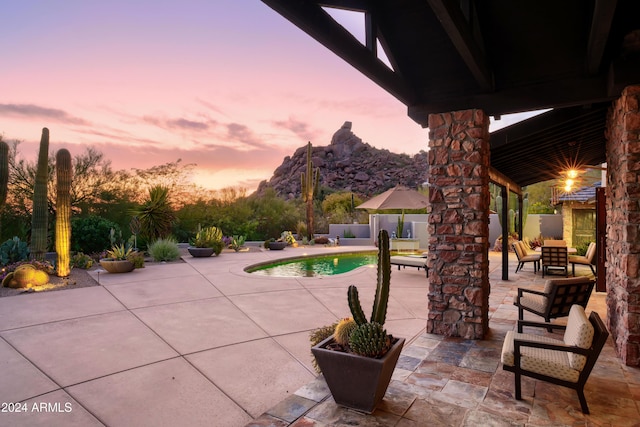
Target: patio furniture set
x=553, y=256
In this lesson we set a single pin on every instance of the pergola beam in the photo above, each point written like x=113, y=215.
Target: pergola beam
x=457, y=28
x=316, y=22
x=603, y=12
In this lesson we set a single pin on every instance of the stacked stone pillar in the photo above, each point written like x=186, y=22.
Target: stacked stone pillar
x=623, y=224
x=459, y=224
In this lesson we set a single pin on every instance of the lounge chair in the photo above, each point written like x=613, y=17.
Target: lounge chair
x=566, y=362
x=524, y=257
x=587, y=259
x=410, y=261
x=557, y=298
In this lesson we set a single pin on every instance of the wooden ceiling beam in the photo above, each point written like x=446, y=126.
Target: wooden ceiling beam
x=555, y=94
x=599, y=33
x=316, y=22
x=457, y=28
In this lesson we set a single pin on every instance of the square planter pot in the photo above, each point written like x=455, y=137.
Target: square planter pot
x=357, y=382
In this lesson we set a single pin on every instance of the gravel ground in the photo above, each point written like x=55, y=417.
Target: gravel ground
x=78, y=278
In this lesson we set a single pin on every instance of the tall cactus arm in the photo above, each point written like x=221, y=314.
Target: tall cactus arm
x=4, y=171
x=355, y=307
x=63, y=212
x=379, y=313
x=39, y=215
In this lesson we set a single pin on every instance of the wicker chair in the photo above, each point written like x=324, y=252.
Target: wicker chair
x=556, y=299
x=567, y=362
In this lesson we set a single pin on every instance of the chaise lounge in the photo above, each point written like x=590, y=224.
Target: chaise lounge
x=410, y=261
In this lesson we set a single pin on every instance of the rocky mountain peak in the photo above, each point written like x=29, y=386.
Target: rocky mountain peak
x=348, y=164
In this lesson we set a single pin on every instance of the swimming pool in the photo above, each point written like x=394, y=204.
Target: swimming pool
x=324, y=265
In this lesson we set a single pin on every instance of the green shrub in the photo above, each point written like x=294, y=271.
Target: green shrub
x=91, y=234
x=13, y=250
x=81, y=260
x=137, y=258
x=165, y=250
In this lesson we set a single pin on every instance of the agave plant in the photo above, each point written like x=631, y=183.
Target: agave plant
x=119, y=252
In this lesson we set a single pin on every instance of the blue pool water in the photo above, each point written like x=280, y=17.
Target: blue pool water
x=325, y=265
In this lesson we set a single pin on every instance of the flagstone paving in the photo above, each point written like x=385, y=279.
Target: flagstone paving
x=204, y=343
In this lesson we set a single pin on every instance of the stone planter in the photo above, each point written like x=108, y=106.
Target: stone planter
x=116, y=265
x=357, y=382
x=200, y=252
x=277, y=246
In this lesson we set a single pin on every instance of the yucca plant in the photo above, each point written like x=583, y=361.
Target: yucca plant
x=155, y=215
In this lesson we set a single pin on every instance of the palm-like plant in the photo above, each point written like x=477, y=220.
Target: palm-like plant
x=156, y=215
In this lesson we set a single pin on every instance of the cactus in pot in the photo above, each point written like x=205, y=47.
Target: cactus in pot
x=373, y=331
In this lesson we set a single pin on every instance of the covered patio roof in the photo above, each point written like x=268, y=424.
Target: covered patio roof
x=498, y=55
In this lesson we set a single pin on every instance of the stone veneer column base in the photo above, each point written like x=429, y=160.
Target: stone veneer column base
x=459, y=224
x=623, y=222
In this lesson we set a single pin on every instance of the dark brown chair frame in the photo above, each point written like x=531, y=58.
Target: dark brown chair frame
x=592, y=353
x=556, y=257
x=564, y=293
x=535, y=259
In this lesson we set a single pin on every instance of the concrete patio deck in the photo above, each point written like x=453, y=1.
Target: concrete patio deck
x=204, y=343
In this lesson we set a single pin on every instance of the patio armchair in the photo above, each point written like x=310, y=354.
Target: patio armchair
x=555, y=257
x=553, y=242
x=567, y=362
x=557, y=298
x=519, y=248
x=587, y=259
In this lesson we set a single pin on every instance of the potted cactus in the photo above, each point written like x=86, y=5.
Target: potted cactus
x=357, y=361
x=117, y=260
x=207, y=241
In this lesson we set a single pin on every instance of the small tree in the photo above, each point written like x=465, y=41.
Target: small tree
x=310, y=185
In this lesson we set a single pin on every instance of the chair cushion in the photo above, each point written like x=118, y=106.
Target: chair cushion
x=537, y=303
x=579, y=333
x=552, y=363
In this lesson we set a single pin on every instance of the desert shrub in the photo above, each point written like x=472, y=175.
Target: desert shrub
x=13, y=250
x=164, y=250
x=81, y=260
x=137, y=258
x=91, y=234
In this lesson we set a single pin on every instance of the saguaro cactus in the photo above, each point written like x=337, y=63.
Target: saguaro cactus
x=39, y=215
x=310, y=184
x=63, y=211
x=4, y=171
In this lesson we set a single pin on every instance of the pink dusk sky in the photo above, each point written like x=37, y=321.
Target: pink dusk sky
x=229, y=85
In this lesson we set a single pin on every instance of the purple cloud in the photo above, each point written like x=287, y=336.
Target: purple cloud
x=35, y=111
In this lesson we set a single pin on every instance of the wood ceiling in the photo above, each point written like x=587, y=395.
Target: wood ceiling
x=502, y=56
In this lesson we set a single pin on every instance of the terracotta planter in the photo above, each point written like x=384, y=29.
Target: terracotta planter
x=277, y=246
x=357, y=382
x=116, y=265
x=200, y=252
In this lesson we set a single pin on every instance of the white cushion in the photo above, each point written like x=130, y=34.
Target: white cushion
x=552, y=363
x=534, y=302
x=579, y=333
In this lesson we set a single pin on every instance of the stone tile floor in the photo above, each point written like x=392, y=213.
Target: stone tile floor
x=442, y=381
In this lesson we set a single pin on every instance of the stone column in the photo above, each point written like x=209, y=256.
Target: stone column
x=623, y=221
x=459, y=224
